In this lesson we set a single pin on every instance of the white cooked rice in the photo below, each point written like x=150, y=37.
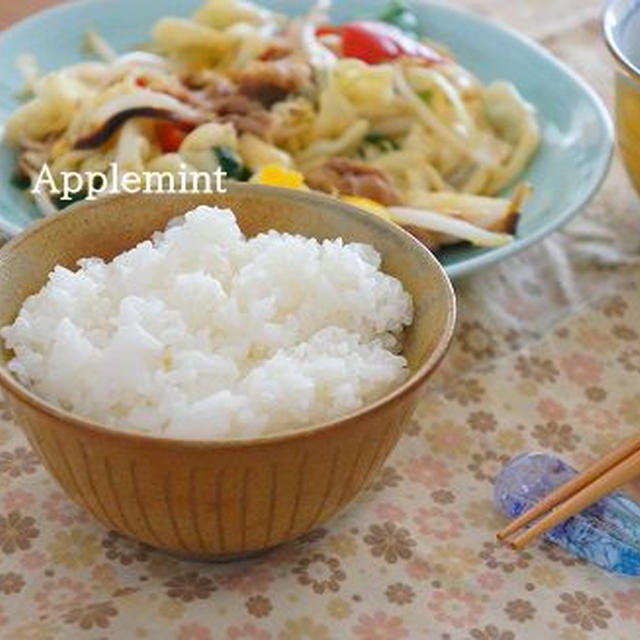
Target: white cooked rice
x=202, y=333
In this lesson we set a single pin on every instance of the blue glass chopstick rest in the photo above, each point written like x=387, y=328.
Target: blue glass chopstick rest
x=607, y=533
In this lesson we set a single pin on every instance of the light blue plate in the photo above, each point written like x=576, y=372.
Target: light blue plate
x=565, y=173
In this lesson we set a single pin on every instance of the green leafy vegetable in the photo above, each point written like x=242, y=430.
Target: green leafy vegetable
x=399, y=15
x=73, y=198
x=376, y=142
x=384, y=143
x=231, y=164
x=20, y=181
x=426, y=95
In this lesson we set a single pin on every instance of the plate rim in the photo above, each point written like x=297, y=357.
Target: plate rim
x=475, y=263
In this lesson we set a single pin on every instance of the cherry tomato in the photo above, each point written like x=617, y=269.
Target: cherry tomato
x=327, y=29
x=375, y=42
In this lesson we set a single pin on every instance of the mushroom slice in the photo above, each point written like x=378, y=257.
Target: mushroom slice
x=142, y=103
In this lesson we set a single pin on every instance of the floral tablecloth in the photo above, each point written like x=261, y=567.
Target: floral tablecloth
x=547, y=356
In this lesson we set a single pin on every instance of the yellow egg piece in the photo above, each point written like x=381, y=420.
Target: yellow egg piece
x=276, y=175
x=368, y=205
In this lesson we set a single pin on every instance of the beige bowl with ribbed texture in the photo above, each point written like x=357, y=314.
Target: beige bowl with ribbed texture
x=221, y=498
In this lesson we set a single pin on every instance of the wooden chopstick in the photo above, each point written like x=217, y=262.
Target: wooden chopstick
x=611, y=480
x=586, y=477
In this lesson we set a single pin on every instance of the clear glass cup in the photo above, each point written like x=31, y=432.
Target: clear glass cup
x=621, y=24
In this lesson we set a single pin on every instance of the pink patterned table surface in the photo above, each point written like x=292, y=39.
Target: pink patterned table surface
x=414, y=557
x=547, y=357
